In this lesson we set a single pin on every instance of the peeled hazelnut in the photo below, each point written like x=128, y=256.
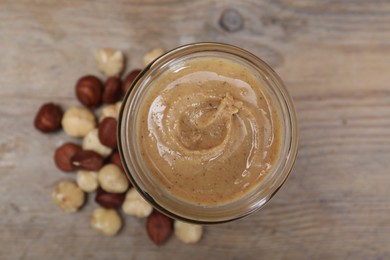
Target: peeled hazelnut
x=112, y=179
x=136, y=205
x=106, y=221
x=152, y=55
x=68, y=196
x=87, y=160
x=112, y=90
x=118, y=106
x=130, y=79
x=115, y=159
x=77, y=121
x=63, y=154
x=107, y=132
x=48, y=118
x=87, y=180
x=107, y=111
x=110, y=62
x=109, y=200
x=188, y=233
x=89, y=91
x=158, y=227
x=91, y=142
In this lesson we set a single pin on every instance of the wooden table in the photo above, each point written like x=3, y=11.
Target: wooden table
x=334, y=57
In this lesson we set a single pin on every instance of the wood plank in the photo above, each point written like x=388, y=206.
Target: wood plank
x=334, y=57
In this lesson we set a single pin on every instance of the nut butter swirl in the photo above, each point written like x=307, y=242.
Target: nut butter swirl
x=208, y=131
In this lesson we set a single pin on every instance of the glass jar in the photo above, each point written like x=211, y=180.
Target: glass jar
x=157, y=194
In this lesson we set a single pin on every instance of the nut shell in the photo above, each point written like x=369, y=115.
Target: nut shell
x=48, y=118
x=89, y=91
x=109, y=200
x=130, y=79
x=87, y=160
x=63, y=155
x=159, y=227
x=115, y=159
x=107, y=132
x=112, y=90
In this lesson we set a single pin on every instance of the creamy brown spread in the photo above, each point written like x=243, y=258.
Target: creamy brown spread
x=208, y=130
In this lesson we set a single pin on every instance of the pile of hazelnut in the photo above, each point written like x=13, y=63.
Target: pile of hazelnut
x=96, y=160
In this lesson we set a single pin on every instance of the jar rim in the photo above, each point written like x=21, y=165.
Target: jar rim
x=127, y=113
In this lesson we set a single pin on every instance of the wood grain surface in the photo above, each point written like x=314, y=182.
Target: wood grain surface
x=334, y=57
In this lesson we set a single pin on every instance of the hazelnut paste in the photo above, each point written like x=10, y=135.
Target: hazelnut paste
x=208, y=131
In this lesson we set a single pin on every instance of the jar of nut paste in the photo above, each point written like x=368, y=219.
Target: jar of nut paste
x=208, y=133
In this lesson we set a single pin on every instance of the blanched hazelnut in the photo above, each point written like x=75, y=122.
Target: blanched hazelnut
x=112, y=179
x=188, y=233
x=110, y=62
x=108, y=111
x=78, y=122
x=68, y=196
x=87, y=180
x=118, y=106
x=91, y=142
x=106, y=221
x=136, y=205
x=152, y=55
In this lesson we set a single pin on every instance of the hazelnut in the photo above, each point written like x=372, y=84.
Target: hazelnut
x=118, y=106
x=112, y=90
x=91, y=142
x=188, y=233
x=112, y=179
x=109, y=200
x=77, y=121
x=158, y=227
x=136, y=205
x=63, y=154
x=152, y=55
x=89, y=91
x=115, y=159
x=48, y=118
x=68, y=196
x=87, y=160
x=106, y=221
x=107, y=132
x=107, y=111
x=87, y=180
x=110, y=62
x=130, y=79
